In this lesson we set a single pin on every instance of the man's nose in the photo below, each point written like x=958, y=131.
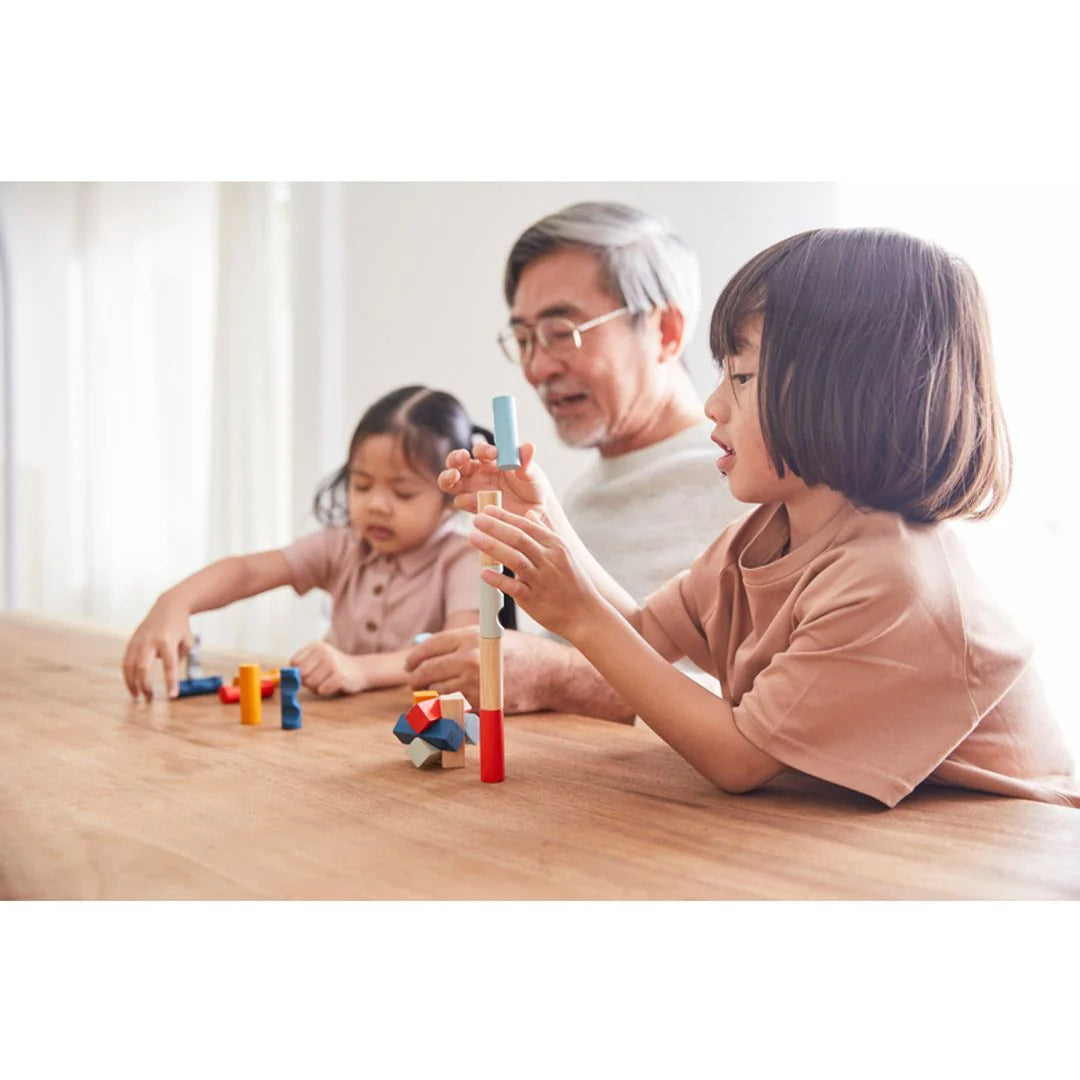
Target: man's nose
x=541, y=365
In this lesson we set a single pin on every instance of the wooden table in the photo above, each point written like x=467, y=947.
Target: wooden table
x=102, y=798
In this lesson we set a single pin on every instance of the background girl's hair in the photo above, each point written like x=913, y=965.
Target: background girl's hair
x=428, y=423
x=876, y=376
x=645, y=263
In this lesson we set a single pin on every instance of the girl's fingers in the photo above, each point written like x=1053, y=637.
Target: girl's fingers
x=507, y=543
x=169, y=663
x=142, y=671
x=513, y=587
x=529, y=525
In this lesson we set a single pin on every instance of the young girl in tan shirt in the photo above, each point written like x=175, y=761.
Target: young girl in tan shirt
x=851, y=638
x=390, y=557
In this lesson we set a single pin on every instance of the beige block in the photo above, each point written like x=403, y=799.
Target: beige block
x=488, y=498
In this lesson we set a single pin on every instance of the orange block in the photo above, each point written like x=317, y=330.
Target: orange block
x=250, y=694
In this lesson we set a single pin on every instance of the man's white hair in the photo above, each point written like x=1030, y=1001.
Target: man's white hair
x=645, y=263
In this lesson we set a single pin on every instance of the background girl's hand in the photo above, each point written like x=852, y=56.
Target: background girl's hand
x=523, y=488
x=548, y=583
x=164, y=633
x=327, y=670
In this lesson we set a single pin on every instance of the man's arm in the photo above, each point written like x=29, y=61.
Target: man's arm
x=538, y=674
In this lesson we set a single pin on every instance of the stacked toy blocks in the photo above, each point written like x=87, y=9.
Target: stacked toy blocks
x=437, y=728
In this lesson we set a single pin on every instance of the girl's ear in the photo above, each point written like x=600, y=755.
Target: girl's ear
x=672, y=328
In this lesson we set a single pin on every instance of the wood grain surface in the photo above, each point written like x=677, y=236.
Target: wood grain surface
x=103, y=798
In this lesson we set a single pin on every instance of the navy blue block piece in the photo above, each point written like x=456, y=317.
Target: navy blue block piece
x=403, y=729
x=446, y=734
x=291, y=716
x=191, y=687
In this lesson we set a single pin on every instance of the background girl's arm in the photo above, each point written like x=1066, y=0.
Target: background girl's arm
x=563, y=596
x=326, y=670
x=165, y=631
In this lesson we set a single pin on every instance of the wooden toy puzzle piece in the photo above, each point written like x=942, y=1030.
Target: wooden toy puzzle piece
x=423, y=754
x=506, y=437
x=291, y=716
x=250, y=691
x=192, y=687
x=423, y=714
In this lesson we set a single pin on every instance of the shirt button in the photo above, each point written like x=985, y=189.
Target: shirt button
x=372, y=627
x=378, y=590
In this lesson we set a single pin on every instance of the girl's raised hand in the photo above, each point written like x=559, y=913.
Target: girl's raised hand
x=524, y=488
x=547, y=581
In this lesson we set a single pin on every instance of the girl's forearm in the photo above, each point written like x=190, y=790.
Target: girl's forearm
x=227, y=580
x=694, y=722
x=378, y=670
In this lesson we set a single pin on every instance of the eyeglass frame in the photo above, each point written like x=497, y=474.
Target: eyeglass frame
x=534, y=336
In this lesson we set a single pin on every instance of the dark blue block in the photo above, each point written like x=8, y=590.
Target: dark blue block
x=446, y=734
x=291, y=718
x=191, y=687
x=403, y=729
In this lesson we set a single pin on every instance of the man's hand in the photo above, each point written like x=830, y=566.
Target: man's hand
x=327, y=670
x=450, y=662
x=524, y=488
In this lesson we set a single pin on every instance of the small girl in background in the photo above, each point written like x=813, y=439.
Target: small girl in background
x=851, y=638
x=390, y=557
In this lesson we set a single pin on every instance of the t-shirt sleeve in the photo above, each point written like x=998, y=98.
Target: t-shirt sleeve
x=313, y=559
x=671, y=622
x=871, y=692
x=461, y=583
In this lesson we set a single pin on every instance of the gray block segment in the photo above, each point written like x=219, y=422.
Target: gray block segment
x=490, y=602
x=506, y=435
x=423, y=754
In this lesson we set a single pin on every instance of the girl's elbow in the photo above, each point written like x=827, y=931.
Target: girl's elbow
x=743, y=777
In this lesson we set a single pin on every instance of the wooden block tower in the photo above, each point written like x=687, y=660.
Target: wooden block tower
x=492, y=753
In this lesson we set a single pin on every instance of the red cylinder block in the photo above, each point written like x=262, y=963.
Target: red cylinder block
x=492, y=759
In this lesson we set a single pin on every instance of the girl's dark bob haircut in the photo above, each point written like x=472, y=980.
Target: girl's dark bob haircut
x=876, y=377
x=429, y=424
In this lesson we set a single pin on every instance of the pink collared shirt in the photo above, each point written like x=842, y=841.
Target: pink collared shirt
x=382, y=601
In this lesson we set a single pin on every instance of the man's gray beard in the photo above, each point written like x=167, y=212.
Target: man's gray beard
x=581, y=437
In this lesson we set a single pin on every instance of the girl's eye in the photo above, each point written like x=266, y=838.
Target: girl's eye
x=741, y=380
x=405, y=496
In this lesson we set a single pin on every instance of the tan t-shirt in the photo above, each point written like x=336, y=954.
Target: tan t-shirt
x=380, y=602
x=869, y=656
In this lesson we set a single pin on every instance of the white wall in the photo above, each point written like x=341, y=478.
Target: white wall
x=421, y=293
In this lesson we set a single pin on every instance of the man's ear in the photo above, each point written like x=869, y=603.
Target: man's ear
x=672, y=325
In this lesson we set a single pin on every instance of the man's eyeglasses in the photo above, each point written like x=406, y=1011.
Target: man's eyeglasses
x=555, y=333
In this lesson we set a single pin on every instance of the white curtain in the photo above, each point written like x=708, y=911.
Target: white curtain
x=1021, y=241
x=152, y=374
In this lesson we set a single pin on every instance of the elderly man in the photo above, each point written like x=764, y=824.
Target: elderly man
x=602, y=301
